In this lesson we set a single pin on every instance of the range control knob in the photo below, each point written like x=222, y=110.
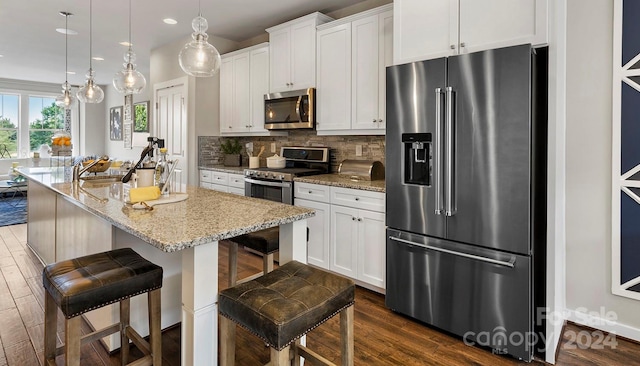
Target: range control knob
x=281, y=177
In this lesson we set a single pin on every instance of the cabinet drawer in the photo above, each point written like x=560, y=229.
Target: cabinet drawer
x=313, y=192
x=237, y=181
x=205, y=176
x=220, y=178
x=235, y=190
x=219, y=187
x=356, y=198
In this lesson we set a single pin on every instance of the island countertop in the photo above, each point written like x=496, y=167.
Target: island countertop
x=204, y=217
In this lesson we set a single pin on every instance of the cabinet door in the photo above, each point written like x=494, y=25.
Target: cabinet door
x=334, y=78
x=344, y=241
x=241, y=93
x=259, y=74
x=226, y=95
x=365, y=71
x=488, y=24
x=425, y=29
x=319, y=229
x=303, y=55
x=280, y=60
x=371, y=247
x=385, y=58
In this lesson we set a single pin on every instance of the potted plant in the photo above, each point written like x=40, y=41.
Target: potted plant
x=231, y=149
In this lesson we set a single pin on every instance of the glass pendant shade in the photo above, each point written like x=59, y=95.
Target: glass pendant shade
x=129, y=80
x=198, y=57
x=90, y=92
x=66, y=99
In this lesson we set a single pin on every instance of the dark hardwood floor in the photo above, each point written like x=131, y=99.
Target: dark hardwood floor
x=381, y=336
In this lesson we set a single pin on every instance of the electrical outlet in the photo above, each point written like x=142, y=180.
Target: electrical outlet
x=273, y=147
x=358, y=150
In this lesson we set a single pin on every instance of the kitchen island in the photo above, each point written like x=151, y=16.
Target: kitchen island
x=67, y=220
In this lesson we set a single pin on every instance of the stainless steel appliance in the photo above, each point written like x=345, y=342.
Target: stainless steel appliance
x=277, y=184
x=290, y=110
x=466, y=195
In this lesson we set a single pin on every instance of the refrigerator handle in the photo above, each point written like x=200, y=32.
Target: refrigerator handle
x=450, y=206
x=511, y=263
x=438, y=153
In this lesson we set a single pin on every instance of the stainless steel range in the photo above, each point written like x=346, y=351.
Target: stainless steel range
x=276, y=184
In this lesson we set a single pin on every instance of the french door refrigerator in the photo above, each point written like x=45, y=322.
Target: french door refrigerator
x=466, y=195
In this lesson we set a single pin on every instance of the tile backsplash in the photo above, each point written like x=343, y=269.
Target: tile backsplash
x=342, y=147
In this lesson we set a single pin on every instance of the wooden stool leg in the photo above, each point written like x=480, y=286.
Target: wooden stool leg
x=267, y=263
x=155, y=331
x=233, y=263
x=72, y=335
x=280, y=358
x=50, y=327
x=125, y=306
x=227, y=342
x=296, y=354
x=346, y=334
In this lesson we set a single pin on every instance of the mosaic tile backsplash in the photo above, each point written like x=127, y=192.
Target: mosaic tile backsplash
x=342, y=147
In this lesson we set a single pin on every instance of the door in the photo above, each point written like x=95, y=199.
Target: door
x=480, y=294
x=318, y=243
x=412, y=110
x=171, y=125
x=371, y=247
x=491, y=148
x=344, y=241
x=241, y=93
x=280, y=60
x=303, y=55
x=365, y=71
x=259, y=74
x=226, y=95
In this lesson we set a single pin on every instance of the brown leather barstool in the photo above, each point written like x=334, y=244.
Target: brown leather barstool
x=282, y=306
x=266, y=242
x=79, y=285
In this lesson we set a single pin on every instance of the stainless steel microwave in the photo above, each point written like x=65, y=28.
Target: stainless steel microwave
x=290, y=110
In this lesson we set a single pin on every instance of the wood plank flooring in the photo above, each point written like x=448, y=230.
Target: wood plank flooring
x=381, y=336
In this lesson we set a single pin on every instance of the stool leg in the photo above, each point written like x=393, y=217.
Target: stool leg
x=280, y=358
x=155, y=333
x=233, y=263
x=267, y=264
x=125, y=306
x=72, y=335
x=346, y=333
x=296, y=354
x=50, y=327
x=227, y=342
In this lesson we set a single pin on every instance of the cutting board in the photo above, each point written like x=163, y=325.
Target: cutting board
x=172, y=198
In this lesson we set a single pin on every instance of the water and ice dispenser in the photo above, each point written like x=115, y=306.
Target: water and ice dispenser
x=417, y=158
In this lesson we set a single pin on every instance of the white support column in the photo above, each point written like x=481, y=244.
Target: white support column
x=199, y=342
x=293, y=242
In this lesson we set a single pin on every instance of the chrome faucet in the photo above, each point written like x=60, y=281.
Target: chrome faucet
x=77, y=171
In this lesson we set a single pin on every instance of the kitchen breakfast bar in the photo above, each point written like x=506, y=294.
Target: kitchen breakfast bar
x=70, y=219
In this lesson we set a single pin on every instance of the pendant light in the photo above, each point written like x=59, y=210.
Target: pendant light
x=129, y=80
x=66, y=99
x=90, y=92
x=198, y=57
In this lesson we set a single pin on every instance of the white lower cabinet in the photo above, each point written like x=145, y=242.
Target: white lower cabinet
x=222, y=182
x=347, y=234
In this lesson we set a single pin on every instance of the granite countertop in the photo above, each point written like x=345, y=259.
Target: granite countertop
x=338, y=180
x=224, y=169
x=206, y=216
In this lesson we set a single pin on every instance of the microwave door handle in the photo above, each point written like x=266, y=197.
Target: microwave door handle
x=298, y=110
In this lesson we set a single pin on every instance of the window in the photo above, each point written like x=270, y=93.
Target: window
x=9, y=122
x=45, y=118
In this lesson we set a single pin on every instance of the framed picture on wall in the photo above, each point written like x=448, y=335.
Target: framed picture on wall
x=115, y=123
x=141, y=117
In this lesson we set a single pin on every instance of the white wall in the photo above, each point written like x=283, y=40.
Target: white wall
x=588, y=153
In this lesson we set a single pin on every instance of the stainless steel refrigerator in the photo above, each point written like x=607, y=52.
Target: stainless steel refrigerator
x=466, y=195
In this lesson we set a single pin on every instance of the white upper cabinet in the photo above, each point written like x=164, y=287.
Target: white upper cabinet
x=426, y=29
x=293, y=53
x=352, y=55
x=244, y=80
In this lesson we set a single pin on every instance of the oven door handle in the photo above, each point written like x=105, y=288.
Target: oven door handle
x=268, y=183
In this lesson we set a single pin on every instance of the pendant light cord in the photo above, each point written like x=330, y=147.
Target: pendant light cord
x=66, y=47
x=90, y=35
x=129, y=26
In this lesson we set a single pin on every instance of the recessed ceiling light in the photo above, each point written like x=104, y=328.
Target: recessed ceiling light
x=170, y=21
x=97, y=58
x=68, y=31
x=71, y=72
x=127, y=44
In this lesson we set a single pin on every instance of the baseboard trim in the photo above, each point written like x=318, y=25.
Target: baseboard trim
x=609, y=326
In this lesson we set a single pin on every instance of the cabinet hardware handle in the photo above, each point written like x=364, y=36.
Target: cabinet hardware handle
x=463, y=44
x=353, y=218
x=359, y=219
x=357, y=199
x=375, y=120
x=310, y=192
x=380, y=120
x=453, y=47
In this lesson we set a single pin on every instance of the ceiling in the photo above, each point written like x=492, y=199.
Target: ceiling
x=32, y=50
